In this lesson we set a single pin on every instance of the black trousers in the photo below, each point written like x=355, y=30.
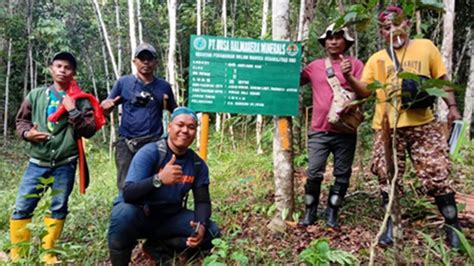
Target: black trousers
x=342, y=146
x=125, y=149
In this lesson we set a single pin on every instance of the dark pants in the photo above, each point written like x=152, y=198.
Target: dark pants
x=342, y=146
x=123, y=158
x=124, y=153
x=128, y=223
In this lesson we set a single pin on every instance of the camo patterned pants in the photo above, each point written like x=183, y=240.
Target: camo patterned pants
x=427, y=147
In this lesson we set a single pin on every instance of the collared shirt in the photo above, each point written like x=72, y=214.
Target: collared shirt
x=322, y=96
x=142, y=118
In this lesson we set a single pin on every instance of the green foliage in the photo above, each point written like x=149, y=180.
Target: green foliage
x=466, y=246
x=220, y=255
x=438, y=248
x=358, y=15
x=417, y=207
x=300, y=160
x=319, y=253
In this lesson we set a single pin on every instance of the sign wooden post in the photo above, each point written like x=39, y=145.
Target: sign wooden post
x=204, y=136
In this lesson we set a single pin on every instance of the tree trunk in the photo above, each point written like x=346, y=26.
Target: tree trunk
x=447, y=52
x=113, y=134
x=25, y=77
x=234, y=14
x=448, y=34
x=282, y=139
x=35, y=75
x=301, y=17
x=7, y=89
x=469, y=97
x=29, y=21
x=106, y=37
x=119, y=38
x=260, y=121
x=264, y=18
x=172, y=4
x=306, y=15
x=198, y=32
x=418, y=22
x=198, y=17
x=139, y=19
x=220, y=119
x=132, y=33
x=224, y=17
x=461, y=54
x=105, y=43
x=96, y=94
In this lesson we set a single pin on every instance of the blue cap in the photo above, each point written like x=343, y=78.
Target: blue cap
x=184, y=111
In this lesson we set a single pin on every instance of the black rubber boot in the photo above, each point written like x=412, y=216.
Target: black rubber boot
x=160, y=253
x=120, y=258
x=336, y=196
x=386, y=239
x=311, y=201
x=447, y=206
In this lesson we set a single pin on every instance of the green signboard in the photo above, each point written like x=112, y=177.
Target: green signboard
x=244, y=76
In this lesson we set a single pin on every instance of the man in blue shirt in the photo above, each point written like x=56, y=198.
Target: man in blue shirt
x=143, y=97
x=152, y=203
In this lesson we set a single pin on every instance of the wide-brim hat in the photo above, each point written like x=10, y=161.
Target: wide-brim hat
x=330, y=31
x=145, y=47
x=67, y=56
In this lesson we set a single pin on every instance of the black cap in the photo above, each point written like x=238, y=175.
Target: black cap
x=145, y=47
x=67, y=57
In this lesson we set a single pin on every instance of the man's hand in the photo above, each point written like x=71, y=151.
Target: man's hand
x=346, y=66
x=69, y=103
x=34, y=135
x=194, y=240
x=453, y=115
x=171, y=173
x=109, y=104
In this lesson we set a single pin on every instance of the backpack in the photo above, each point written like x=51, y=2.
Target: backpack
x=413, y=97
x=162, y=149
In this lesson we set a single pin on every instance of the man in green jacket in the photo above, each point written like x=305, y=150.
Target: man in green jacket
x=53, y=152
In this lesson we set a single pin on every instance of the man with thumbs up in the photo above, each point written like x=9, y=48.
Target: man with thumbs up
x=330, y=93
x=152, y=203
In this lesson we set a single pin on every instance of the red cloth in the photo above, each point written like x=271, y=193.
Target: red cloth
x=83, y=168
x=76, y=93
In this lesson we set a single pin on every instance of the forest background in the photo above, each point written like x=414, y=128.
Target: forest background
x=243, y=188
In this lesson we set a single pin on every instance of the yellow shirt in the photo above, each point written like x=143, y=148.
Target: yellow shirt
x=422, y=58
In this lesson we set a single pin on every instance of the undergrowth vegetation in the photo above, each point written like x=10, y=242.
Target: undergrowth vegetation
x=242, y=199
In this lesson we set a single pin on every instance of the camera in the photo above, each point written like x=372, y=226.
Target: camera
x=142, y=98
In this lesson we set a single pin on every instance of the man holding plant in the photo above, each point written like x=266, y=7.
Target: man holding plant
x=418, y=134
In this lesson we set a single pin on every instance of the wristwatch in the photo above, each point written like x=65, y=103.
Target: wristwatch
x=157, y=181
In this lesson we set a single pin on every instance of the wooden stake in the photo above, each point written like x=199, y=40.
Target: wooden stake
x=204, y=136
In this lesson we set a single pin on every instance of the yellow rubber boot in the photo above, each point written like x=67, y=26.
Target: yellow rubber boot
x=18, y=233
x=54, y=228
